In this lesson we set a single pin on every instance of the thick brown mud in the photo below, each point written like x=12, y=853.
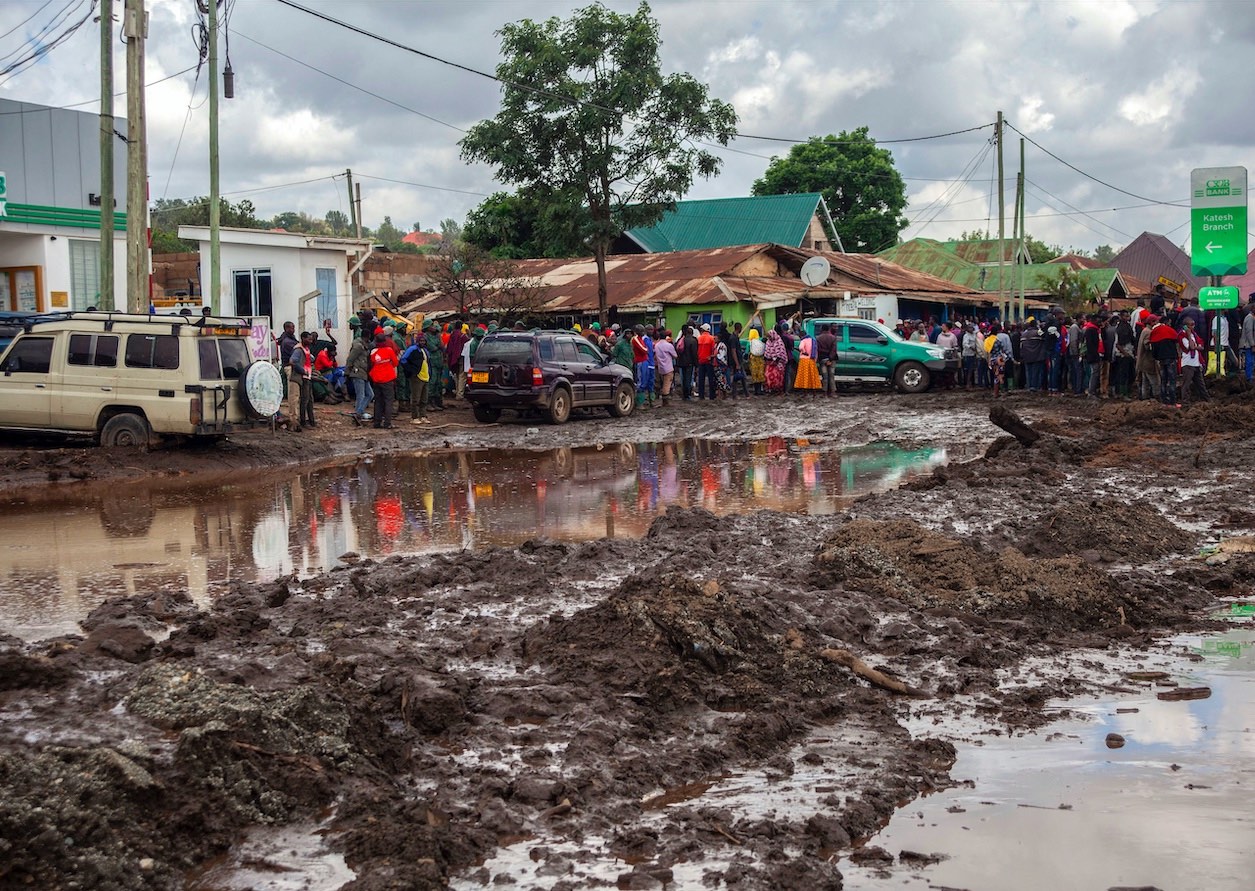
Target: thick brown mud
x=573, y=701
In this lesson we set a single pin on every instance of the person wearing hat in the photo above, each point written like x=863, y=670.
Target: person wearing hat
x=437, y=367
x=705, y=363
x=301, y=366
x=384, y=363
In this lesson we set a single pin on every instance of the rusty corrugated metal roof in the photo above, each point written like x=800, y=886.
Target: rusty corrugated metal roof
x=717, y=275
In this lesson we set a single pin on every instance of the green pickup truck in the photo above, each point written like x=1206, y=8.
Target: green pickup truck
x=869, y=352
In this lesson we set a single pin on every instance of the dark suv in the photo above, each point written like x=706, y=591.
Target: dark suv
x=552, y=372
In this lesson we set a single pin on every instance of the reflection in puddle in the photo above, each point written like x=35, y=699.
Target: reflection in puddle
x=57, y=561
x=1058, y=809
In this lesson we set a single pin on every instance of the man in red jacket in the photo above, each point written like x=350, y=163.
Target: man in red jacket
x=705, y=362
x=383, y=378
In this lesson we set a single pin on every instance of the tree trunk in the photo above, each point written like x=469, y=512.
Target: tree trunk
x=603, y=310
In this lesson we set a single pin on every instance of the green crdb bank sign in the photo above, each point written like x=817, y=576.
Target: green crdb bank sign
x=1218, y=298
x=1218, y=221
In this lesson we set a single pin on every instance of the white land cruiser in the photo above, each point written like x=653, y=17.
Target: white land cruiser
x=127, y=378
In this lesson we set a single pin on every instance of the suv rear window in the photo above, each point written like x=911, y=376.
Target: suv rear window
x=222, y=359
x=514, y=351
x=152, y=351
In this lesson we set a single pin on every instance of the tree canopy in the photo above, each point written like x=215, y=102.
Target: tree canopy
x=864, y=192
x=168, y=214
x=521, y=225
x=589, y=123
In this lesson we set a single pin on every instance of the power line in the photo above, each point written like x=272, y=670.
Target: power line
x=402, y=182
x=348, y=84
x=74, y=105
x=12, y=69
x=1073, y=167
x=571, y=99
x=1077, y=211
x=46, y=4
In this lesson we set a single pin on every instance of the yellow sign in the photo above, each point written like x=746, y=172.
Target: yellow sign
x=60, y=299
x=1171, y=285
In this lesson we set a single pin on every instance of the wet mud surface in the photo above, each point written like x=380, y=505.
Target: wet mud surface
x=562, y=715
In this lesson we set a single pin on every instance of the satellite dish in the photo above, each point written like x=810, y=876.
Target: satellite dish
x=815, y=272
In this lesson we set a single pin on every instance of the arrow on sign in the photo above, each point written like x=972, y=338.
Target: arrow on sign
x=1213, y=247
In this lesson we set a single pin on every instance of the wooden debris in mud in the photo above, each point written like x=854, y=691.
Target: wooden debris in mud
x=869, y=674
x=1009, y=421
x=1182, y=694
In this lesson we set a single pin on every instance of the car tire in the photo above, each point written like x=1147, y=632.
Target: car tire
x=486, y=414
x=560, y=406
x=911, y=377
x=126, y=430
x=624, y=400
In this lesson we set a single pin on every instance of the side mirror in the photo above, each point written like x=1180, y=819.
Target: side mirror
x=882, y=339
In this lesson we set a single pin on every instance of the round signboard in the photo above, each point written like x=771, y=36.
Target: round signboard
x=815, y=272
x=261, y=390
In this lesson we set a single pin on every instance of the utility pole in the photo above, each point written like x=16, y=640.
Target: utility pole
x=1023, y=234
x=136, y=25
x=215, y=212
x=105, y=299
x=357, y=191
x=1003, y=308
x=353, y=207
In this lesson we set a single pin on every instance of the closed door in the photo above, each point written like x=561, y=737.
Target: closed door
x=25, y=384
x=860, y=352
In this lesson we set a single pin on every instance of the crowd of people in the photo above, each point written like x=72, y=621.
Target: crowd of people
x=1152, y=351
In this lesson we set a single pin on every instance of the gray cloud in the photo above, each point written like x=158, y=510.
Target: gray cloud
x=1133, y=93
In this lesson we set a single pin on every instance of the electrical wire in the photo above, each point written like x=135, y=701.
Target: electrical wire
x=13, y=69
x=402, y=182
x=1076, y=169
x=1076, y=212
x=571, y=99
x=74, y=105
x=57, y=18
x=354, y=86
x=45, y=5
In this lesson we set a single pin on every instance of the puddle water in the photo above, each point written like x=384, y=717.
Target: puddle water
x=288, y=858
x=1058, y=809
x=59, y=560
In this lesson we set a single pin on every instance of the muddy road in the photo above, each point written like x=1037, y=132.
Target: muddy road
x=549, y=715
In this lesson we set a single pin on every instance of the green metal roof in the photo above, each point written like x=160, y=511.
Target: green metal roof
x=728, y=222
x=939, y=258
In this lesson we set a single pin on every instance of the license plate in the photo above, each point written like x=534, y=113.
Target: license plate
x=479, y=377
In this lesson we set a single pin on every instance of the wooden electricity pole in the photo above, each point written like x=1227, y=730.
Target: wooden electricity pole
x=136, y=21
x=1003, y=308
x=105, y=299
x=215, y=211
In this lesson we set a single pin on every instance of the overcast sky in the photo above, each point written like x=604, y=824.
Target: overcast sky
x=1134, y=94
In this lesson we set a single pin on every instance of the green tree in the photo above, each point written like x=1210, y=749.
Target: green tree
x=864, y=192
x=588, y=119
x=484, y=284
x=1104, y=254
x=389, y=235
x=1069, y=289
x=1040, y=252
x=338, y=223
x=168, y=214
x=521, y=225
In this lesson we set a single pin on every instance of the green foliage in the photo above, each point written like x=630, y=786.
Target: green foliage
x=1040, y=252
x=1104, y=254
x=338, y=223
x=389, y=235
x=1069, y=289
x=522, y=225
x=864, y=192
x=168, y=214
x=589, y=121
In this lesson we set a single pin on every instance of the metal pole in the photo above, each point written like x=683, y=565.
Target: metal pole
x=357, y=191
x=1003, y=308
x=136, y=160
x=215, y=211
x=105, y=299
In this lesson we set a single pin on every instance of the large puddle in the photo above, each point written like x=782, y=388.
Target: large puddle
x=59, y=560
x=1171, y=808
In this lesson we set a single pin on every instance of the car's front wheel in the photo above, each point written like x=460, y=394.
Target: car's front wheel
x=624, y=400
x=911, y=377
x=560, y=406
